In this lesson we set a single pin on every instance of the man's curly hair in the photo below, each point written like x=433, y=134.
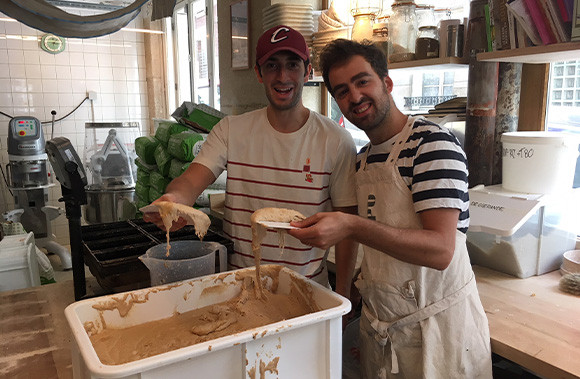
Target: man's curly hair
x=339, y=51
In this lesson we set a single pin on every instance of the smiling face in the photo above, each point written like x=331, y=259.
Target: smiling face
x=362, y=96
x=283, y=76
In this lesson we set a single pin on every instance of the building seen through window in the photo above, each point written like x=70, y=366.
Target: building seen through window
x=563, y=105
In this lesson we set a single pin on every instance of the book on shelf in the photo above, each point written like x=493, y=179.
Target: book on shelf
x=575, y=34
x=540, y=20
x=512, y=27
x=519, y=10
x=498, y=10
x=554, y=20
x=489, y=32
x=565, y=14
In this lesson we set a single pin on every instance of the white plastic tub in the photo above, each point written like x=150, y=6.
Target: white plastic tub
x=306, y=347
x=18, y=263
x=538, y=162
x=520, y=234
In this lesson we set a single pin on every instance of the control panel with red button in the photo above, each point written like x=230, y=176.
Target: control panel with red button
x=25, y=136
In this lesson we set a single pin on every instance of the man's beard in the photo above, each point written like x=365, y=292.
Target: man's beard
x=382, y=112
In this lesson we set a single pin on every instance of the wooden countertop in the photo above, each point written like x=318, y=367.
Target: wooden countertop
x=34, y=334
x=532, y=322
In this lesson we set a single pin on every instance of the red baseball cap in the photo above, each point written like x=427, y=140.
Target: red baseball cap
x=281, y=38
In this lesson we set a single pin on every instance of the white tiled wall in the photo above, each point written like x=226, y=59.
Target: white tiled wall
x=34, y=82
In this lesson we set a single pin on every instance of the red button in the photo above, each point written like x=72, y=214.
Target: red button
x=22, y=133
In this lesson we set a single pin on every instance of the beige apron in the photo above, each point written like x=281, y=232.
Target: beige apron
x=417, y=322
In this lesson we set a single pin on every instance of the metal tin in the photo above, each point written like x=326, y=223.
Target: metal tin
x=455, y=40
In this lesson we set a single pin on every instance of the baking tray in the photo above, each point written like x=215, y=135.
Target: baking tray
x=112, y=250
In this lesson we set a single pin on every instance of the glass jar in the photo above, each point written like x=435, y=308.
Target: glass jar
x=402, y=32
x=425, y=15
x=373, y=7
x=381, y=37
x=427, y=44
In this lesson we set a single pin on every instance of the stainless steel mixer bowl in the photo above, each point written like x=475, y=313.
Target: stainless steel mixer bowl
x=109, y=205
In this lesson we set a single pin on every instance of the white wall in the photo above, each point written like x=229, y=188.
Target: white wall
x=34, y=82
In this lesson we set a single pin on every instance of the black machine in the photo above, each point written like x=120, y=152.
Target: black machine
x=70, y=173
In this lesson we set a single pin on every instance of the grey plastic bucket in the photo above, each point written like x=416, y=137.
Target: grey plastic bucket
x=186, y=260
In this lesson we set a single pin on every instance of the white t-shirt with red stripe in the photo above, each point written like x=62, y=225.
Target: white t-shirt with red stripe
x=310, y=170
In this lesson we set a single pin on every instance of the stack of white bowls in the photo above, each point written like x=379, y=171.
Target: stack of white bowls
x=296, y=16
x=329, y=29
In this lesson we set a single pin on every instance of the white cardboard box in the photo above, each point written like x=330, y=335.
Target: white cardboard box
x=308, y=346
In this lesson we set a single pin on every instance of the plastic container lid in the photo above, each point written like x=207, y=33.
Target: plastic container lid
x=541, y=138
x=495, y=211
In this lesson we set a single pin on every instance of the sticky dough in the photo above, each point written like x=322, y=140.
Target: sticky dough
x=170, y=212
x=259, y=232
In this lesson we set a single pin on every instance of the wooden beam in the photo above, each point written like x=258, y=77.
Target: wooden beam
x=533, y=98
x=155, y=63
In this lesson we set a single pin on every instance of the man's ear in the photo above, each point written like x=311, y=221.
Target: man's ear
x=258, y=73
x=307, y=73
x=389, y=83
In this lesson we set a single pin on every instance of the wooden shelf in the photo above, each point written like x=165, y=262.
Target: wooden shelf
x=557, y=52
x=447, y=63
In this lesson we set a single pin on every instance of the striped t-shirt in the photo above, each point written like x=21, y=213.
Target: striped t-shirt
x=432, y=164
x=310, y=170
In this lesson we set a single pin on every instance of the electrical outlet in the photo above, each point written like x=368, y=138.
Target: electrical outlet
x=92, y=95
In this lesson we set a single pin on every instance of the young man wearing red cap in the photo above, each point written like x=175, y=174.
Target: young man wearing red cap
x=283, y=156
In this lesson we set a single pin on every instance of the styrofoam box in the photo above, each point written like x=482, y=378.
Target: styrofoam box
x=18, y=263
x=307, y=347
x=520, y=234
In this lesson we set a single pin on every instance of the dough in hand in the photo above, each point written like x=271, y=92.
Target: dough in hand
x=259, y=232
x=170, y=212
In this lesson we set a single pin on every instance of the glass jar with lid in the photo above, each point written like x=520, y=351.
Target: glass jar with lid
x=402, y=32
x=364, y=13
x=381, y=37
x=427, y=44
x=425, y=15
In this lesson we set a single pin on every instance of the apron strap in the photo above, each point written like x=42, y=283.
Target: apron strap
x=398, y=144
x=381, y=327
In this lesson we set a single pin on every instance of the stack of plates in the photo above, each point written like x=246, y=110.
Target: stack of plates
x=329, y=29
x=296, y=16
x=323, y=37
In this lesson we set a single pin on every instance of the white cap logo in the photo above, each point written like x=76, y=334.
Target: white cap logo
x=275, y=38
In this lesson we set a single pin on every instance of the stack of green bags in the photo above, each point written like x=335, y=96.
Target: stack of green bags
x=163, y=157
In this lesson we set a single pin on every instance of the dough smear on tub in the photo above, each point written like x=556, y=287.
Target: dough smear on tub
x=170, y=212
x=259, y=232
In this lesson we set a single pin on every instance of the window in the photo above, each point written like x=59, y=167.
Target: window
x=195, y=41
x=563, y=105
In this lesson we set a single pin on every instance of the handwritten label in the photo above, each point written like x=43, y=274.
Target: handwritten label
x=522, y=152
x=479, y=204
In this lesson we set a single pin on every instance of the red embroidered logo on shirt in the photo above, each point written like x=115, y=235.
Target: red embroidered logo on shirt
x=306, y=169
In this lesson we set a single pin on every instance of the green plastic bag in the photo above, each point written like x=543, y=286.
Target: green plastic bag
x=142, y=191
x=143, y=176
x=144, y=166
x=154, y=194
x=177, y=168
x=163, y=159
x=185, y=145
x=145, y=148
x=168, y=128
x=158, y=181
